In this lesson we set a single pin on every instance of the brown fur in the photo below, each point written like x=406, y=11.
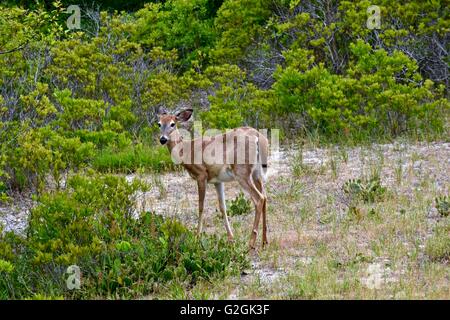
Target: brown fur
x=249, y=175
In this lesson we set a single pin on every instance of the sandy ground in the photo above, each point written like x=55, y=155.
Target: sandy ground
x=402, y=168
x=177, y=194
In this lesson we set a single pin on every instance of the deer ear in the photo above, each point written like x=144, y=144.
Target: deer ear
x=162, y=111
x=184, y=115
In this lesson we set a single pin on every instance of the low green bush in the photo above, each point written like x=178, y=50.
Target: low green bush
x=239, y=205
x=443, y=205
x=132, y=158
x=33, y=155
x=91, y=225
x=380, y=95
x=368, y=190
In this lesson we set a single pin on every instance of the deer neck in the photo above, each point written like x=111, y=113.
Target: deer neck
x=181, y=151
x=174, y=139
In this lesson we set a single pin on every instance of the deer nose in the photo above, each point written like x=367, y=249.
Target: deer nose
x=163, y=140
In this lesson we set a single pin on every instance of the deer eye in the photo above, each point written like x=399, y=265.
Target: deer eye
x=172, y=124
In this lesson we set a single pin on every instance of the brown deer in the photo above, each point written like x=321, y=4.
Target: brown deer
x=207, y=160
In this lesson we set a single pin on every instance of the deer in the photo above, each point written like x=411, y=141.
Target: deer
x=250, y=173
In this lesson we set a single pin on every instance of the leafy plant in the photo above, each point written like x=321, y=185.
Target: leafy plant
x=6, y=266
x=367, y=190
x=91, y=225
x=443, y=205
x=131, y=158
x=239, y=205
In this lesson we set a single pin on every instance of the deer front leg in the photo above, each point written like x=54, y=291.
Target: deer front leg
x=201, y=201
x=223, y=209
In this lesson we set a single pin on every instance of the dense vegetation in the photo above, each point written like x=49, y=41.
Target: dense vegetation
x=75, y=100
x=306, y=67
x=90, y=225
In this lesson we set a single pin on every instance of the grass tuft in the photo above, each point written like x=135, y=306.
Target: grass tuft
x=132, y=158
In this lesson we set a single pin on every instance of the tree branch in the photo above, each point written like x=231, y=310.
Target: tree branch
x=15, y=49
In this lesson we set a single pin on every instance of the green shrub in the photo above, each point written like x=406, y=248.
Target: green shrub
x=40, y=153
x=443, y=205
x=239, y=23
x=367, y=190
x=381, y=94
x=239, y=205
x=226, y=110
x=130, y=159
x=90, y=225
x=6, y=266
x=183, y=25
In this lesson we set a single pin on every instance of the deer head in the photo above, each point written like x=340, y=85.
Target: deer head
x=168, y=123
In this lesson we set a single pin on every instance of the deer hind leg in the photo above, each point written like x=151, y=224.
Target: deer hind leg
x=260, y=186
x=223, y=209
x=258, y=199
x=201, y=201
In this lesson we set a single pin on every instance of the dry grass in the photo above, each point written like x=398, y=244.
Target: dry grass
x=325, y=245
